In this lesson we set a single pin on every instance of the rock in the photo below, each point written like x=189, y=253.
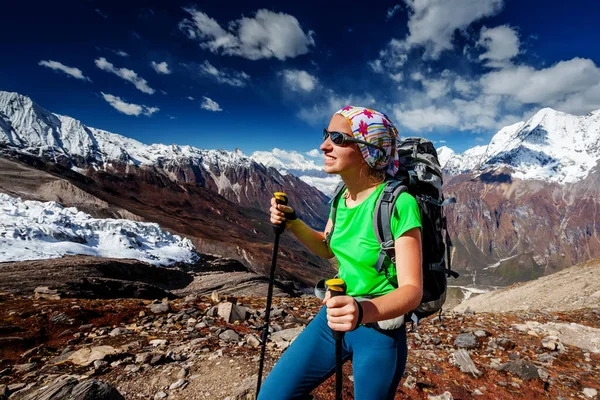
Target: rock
x=468, y=311
x=287, y=335
x=142, y=314
x=590, y=393
x=143, y=358
x=99, y=364
x=3, y=391
x=16, y=387
x=87, y=356
x=550, y=342
x=157, y=358
x=159, y=308
x=183, y=373
x=131, y=368
x=480, y=333
x=229, y=335
x=160, y=395
x=192, y=298
x=252, y=340
x=4, y=341
x=522, y=369
x=462, y=360
x=61, y=319
x=466, y=341
x=214, y=296
x=231, y=312
x=410, y=382
x=545, y=358
x=158, y=342
x=212, y=312
x=176, y=385
x=67, y=387
x=117, y=332
x=24, y=367
x=443, y=396
x=278, y=313
x=506, y=344
x=44, y=292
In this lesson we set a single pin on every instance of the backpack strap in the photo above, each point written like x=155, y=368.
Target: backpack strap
x=334, y=202
x=384, y=209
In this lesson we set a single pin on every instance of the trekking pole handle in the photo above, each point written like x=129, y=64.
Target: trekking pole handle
x=337, y=287
x=280, y=198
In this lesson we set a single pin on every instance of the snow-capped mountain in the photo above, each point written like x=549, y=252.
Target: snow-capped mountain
x=299, y=165
x=34, y=129
x=552, y=146
x=26, y=128
x=33, y=230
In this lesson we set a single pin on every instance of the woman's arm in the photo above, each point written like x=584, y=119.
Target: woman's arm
x=408, y=295
x=343, y=311
x=312, y=239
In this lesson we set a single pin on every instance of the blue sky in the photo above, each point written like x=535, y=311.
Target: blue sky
x=263, y=75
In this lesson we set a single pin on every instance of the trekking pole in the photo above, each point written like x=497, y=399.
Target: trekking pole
x=280, y=198
x=337, y=287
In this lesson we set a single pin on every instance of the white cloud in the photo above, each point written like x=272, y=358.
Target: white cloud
x=190, y=98
x=74, y=72
x=376, y=66
x=233, y=78
x=463, y=86
x=209, y=104
x=432, y=23
x=121, y=53
x=140, y=83
x=501, y=43
x=392, y=11
x=397, y=77
x=299, y=81
x=320, y=113
x=426, y=118
x=100, y=13
x=545, y=86
x=436, y=88
x=267, y=34
x=128, y=108
x=315, y=153
x=161, y=68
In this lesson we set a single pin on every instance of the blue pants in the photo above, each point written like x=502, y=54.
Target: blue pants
x=378, y=361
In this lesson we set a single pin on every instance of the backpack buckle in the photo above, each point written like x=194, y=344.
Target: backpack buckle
x=388, y=245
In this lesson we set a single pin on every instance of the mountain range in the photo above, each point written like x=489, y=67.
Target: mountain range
x=217, y=199
x=526, y=202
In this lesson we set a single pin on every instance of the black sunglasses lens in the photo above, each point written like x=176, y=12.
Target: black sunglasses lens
x=337, y=137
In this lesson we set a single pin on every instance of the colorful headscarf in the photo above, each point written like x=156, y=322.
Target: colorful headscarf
x=374, y=127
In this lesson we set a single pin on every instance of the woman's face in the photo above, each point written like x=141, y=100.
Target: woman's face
x=341, y=159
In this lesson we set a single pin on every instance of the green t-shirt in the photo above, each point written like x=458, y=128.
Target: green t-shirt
x=354, y=243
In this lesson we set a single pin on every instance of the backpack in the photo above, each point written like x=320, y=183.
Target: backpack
x=420, y=175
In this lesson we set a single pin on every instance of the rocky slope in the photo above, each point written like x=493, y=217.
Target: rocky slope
x=214, y=224
x=507, y=230
x=573, y=288
x=198, y=349
x=30, y=129
x=526, y=202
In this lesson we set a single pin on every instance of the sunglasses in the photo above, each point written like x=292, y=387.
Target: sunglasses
x=341, y=139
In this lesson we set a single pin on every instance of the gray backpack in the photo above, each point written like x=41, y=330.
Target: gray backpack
x=420, y=175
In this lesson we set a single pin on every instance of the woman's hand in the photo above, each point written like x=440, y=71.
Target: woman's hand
x=280, y=214
x=342, y=312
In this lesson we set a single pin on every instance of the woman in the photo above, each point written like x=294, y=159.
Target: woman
x=359, y=145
